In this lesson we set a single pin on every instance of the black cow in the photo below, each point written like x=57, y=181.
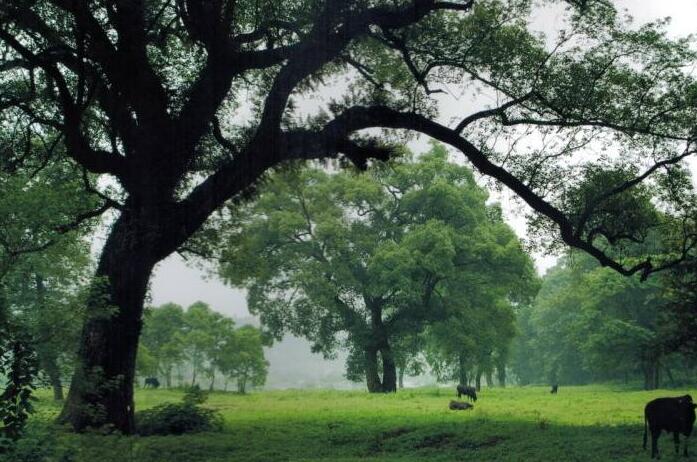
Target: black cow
x=555, y=388
x=470, y=392
x=674, y=415
x=151, y=382
x=460, y=405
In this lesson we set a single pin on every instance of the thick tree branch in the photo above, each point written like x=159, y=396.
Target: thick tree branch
x=368, y=117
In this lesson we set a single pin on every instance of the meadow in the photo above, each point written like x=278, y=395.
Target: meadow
x=590, y=423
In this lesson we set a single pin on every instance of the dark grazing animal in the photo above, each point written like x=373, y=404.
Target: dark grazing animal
x=460, y=405
x=470, y=392
x=151, y=382
x=555, y=388
x=674, y=415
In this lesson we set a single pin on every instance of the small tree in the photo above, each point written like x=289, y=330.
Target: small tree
x=162, y=336
x=242, y=358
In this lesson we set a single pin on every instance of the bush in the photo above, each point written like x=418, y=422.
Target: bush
x=178, y=418
x=194, y=395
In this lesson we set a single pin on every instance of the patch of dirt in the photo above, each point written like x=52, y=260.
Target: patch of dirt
x=487, y=443
x=377, y=445
x=434, y=441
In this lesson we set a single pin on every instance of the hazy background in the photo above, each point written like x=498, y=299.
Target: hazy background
x=292, y=365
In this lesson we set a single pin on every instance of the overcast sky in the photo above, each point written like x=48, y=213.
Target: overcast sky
x=174, y=282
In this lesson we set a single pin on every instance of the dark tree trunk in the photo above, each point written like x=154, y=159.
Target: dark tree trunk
x=478, y=380
x=389, y=369
x=379, y=342
x=501, y=372
x=462, y=369
x=168, y=377
x=371, y=371
x=101, y=391
x=489, y=378
x=210, y=388
x=400, y=378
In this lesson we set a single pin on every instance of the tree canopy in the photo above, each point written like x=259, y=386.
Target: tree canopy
x=363, y=261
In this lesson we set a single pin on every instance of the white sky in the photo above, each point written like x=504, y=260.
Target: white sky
x=174, y=282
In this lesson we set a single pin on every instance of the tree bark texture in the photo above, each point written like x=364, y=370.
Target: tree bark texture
x=372, y=377
x=101, y=391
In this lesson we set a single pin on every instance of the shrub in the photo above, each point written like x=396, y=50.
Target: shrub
x=194, y=395
x=178, y=418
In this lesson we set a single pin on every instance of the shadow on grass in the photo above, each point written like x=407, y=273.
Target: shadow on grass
x=352, y=440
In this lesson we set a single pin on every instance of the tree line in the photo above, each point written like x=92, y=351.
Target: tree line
x=188, y=347
x=589, y=324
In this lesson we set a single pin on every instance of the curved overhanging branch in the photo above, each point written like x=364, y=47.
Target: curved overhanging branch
x=359, y=118
x=244, y=171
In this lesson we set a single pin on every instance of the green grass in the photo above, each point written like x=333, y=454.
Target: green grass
x=593, y=423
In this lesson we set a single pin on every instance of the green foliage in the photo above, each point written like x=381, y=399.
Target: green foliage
x=366, y=261
x=19, y=367
x=589, y=323
x=179, y=418
x=204, y=340
x=194, y=396
x=242, y=358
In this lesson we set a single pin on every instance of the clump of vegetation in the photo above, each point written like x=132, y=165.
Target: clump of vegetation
x=179, y=418
x=19, y=365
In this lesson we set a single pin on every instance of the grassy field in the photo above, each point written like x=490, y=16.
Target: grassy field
x=514, y=424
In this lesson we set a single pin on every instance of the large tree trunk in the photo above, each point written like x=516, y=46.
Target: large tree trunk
x=379, y=342
x=478, y=380
x=389, y=369
x=371, y=370
x=101, y=391
x=400, y=378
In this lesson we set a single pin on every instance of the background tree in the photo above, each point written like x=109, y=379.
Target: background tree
x=590, y=324
x=43, y=218
x=202, y=341
x=199, y=338
x=162, y=336
x=46, y=259
x=368, y=260
x=241, y=358
x=151, y=94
